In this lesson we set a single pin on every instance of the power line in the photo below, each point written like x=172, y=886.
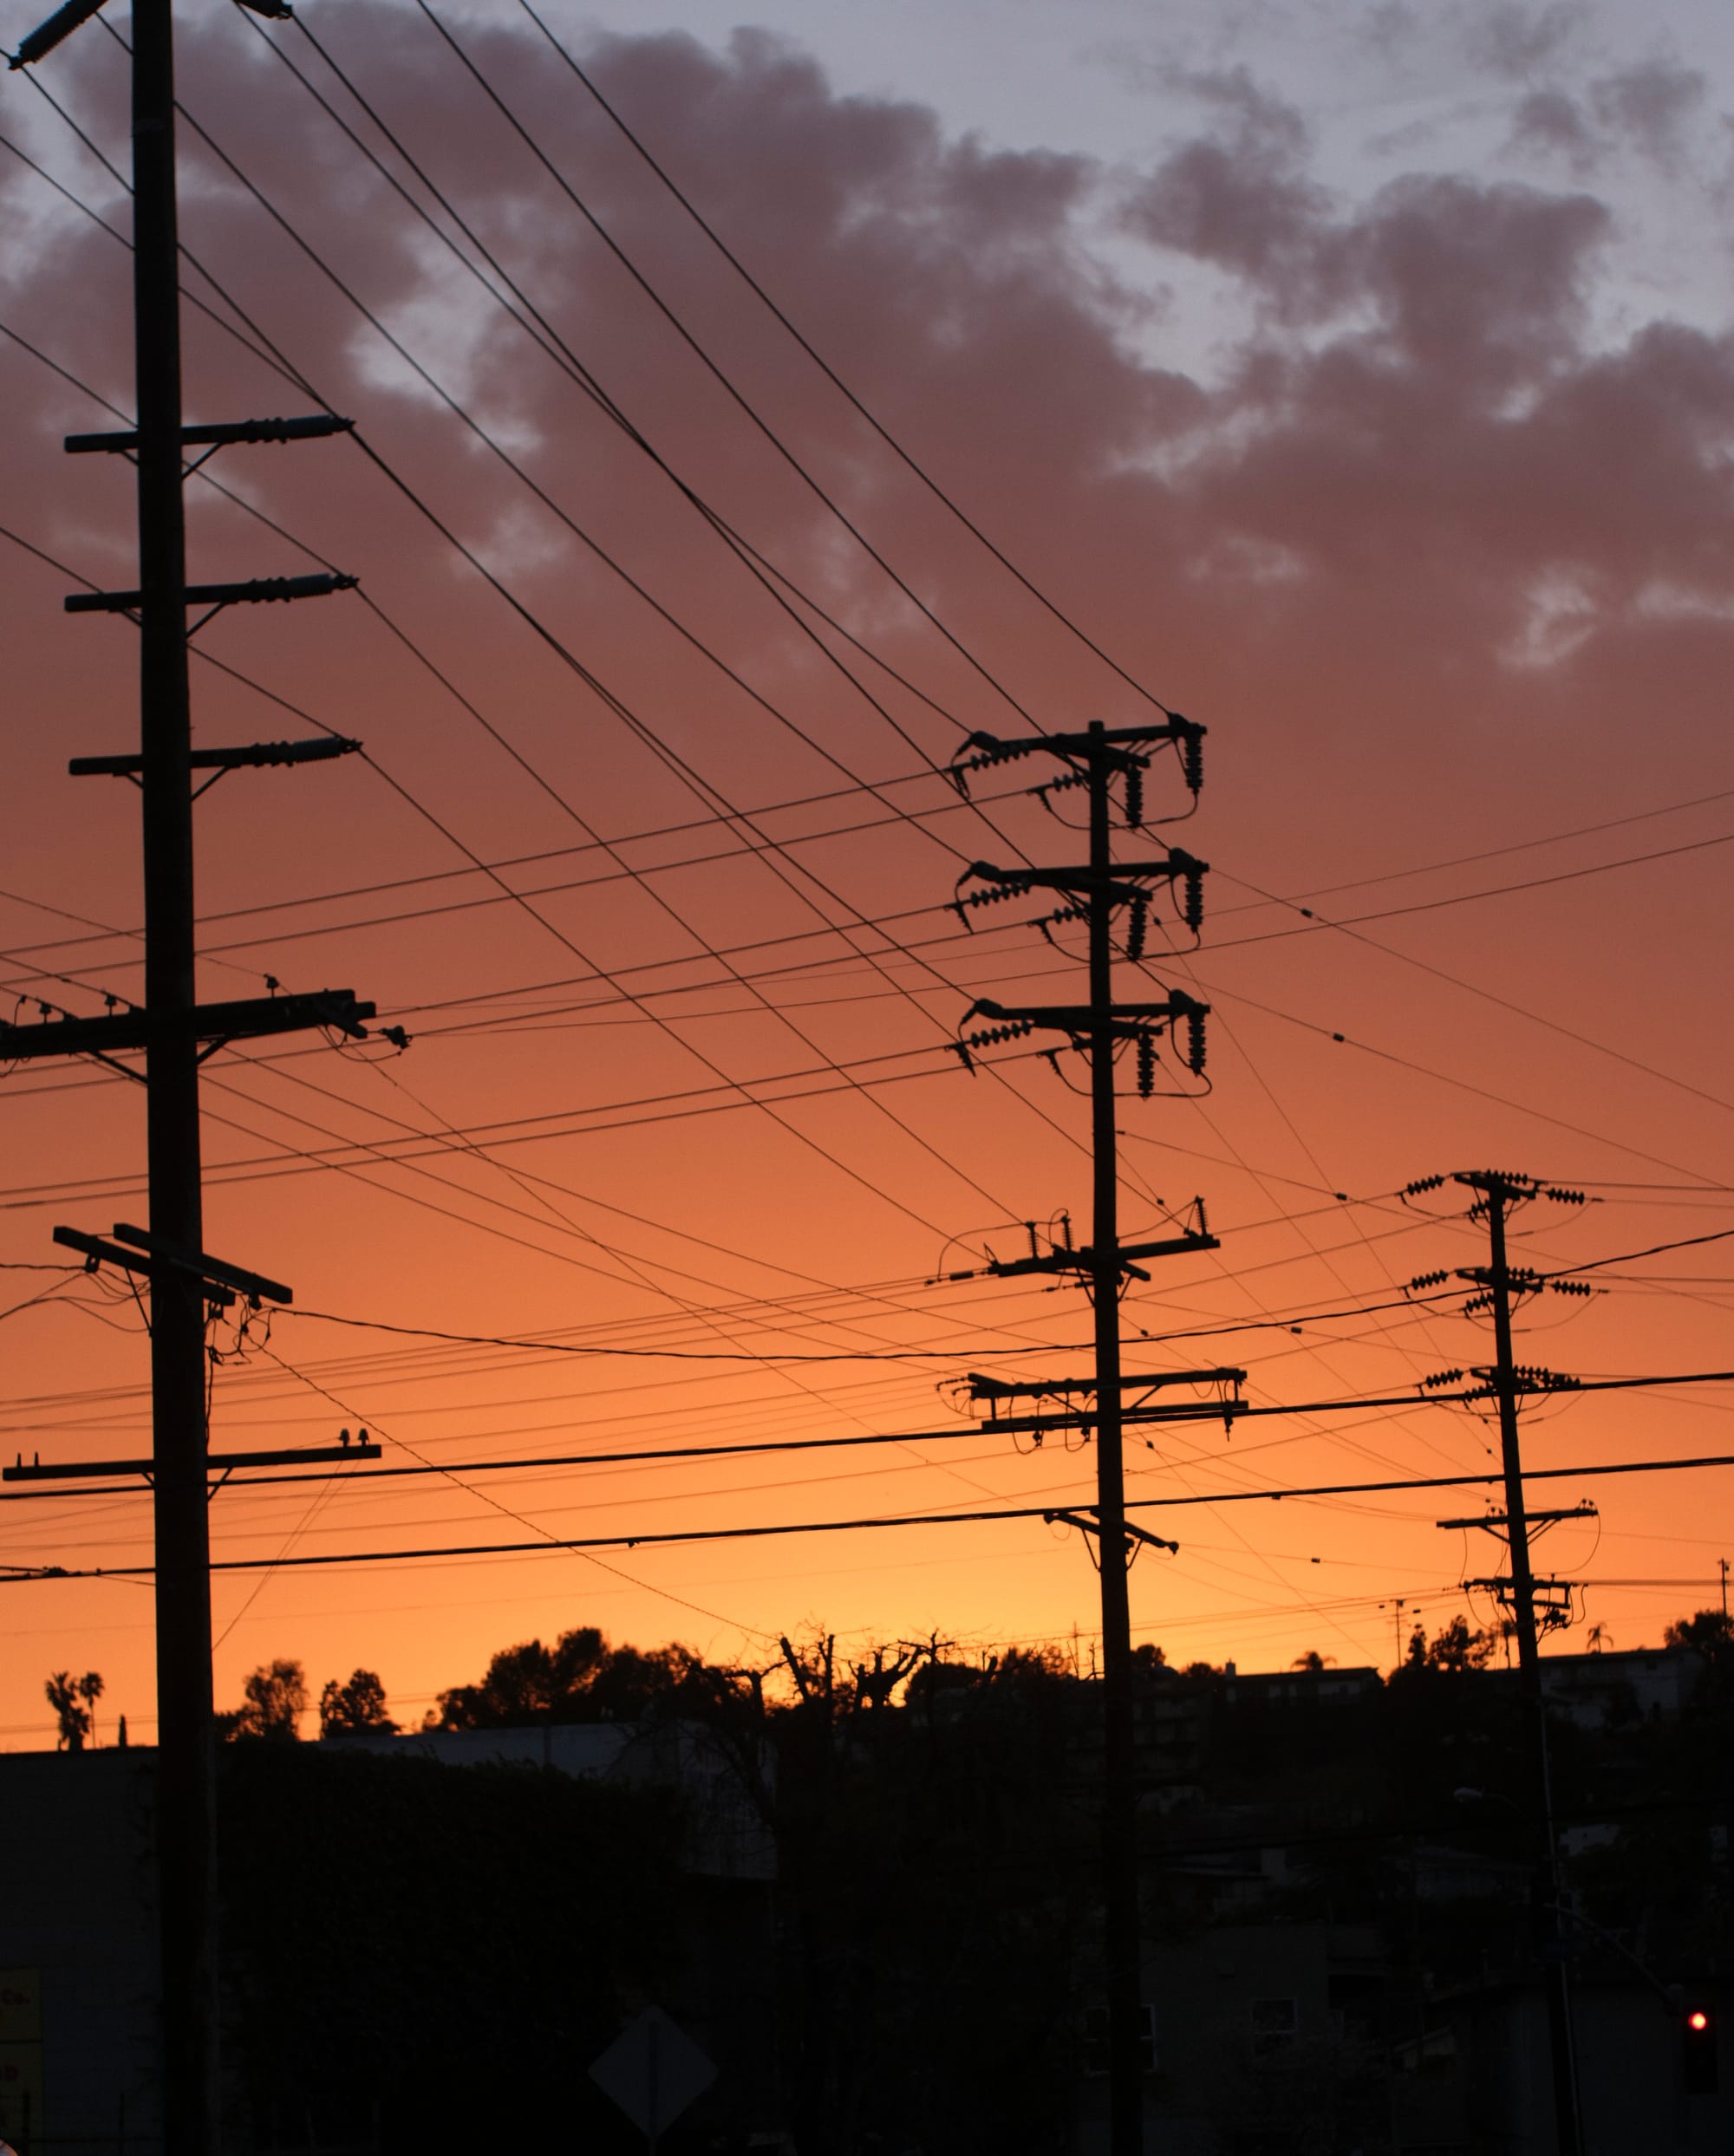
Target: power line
x=325, y=1560
x=1202, y=1410
x=114, y=233
x=1489, y=853
x=746, y=1098
x=1505, y=1003
x=1463, y=898
x=549, y=340
x=1443, y=1078
x=1627, y=1257
x=711, y=366
x=494, y=1503
x=611, y=701
x=885, y=434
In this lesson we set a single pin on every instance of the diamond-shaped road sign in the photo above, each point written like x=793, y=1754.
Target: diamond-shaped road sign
x=652, y=2070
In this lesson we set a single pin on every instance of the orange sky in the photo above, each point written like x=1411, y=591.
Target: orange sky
x=1395, y=454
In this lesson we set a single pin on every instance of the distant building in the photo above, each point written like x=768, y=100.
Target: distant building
x=78, y=1953
x=727, y=1835
x=1298, y=1688
x=1599, y=1691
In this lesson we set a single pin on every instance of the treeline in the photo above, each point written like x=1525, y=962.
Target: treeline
x=582, y=1678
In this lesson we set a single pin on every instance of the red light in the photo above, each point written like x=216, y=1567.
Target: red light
x=1698, y=2019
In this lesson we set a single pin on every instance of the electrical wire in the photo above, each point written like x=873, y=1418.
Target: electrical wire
x=877, y=426
x=897, y=1520
x=1505, y=1003
x=723, y=379
x=609, y=701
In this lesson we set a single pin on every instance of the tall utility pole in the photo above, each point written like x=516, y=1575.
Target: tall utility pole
x=186, y=1825
x=1507, y=1382
x=1098, y=893
x=175, y=1033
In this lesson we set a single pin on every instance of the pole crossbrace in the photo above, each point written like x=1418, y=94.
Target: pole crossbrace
x=224, y=1462
x=127, y=441
x=253, y=1018
x=1088, y=1523
x=255, y=755
x=255, y=591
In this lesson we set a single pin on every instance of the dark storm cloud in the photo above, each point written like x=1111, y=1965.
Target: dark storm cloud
x=1239, y=197
x=1515, y=41
x=1649, y=105
x=1552, y=123
x=1645, y=110
x=1416, y=416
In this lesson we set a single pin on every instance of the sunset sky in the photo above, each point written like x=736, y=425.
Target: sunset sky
x=1357, y=379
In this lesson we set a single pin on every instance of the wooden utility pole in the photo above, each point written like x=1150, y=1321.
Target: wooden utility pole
x=187, y=1837
x=1496, y=1195
x=175, y=1033
x=1506, y=1381
x=1101, y=893
x=1123, y=1931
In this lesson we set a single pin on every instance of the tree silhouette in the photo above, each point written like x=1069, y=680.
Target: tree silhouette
x=275, y=1698
x=347, y=1709
x=1711, y=1633
x=579, y=1678
x=1312, y=1661
x=63, y=1692
x=1456, y=1648
x=90, y=1690
x=1452, y=1650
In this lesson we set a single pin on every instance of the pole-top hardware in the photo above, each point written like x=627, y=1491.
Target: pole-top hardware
x=215, y=1024
x=61, y=23
x=1138, y=1022
x=1122, y=886
x=1493, y=1522
x=256, y=591
x=254, y=1285
x=1520, y=1280
x=1081, y=1259
x=1553, y=1600
x=313, y=429
x=1512, y=1186
x=96, y=1252
x=224, y=1462
x=1492, y=1380
x=981, y=1388
x=1088, y=1524
x=254, y=755
x=1116, y=748
x=223, y=1281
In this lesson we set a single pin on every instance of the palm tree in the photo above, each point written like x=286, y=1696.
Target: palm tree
x=90, y=1690
x=75, y=1720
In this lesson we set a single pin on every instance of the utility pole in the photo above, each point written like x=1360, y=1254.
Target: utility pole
x=1506, y=1381
x=176, y=1033
x=1097, y=893
x=187, y=1804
